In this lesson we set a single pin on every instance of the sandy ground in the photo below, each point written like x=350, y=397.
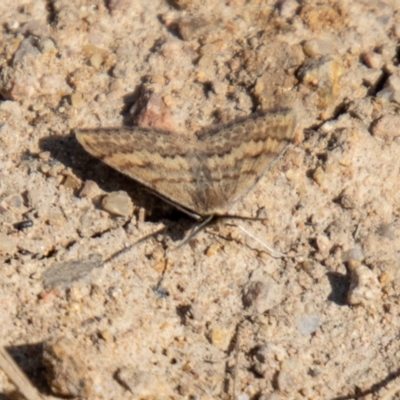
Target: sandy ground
x=228, y=320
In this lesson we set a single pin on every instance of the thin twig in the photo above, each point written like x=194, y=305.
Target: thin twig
x=15, y=374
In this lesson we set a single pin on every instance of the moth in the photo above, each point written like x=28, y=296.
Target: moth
x=204, y=174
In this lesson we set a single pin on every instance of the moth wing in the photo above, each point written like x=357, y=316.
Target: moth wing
x=238, y=155
x=159, y=160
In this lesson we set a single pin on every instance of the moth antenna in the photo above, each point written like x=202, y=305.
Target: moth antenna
x=271, y=251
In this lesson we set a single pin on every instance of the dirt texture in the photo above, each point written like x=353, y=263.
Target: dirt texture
x=97, y=301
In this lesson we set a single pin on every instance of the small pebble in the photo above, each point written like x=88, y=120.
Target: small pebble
x=288, y=8
x=96, y=60
x=317, y=48
x=354, y=254
x=266, y=359
x=14, y=201
x=72, y=183
x=262, y=296
x=45, y=168
x=324, y=76
x=89, y=190
x=143, y=384
x=386, y=231
x=64, y=274
x=373, y=60
x=387, y=127
x=13, y=26
x=26, y=48
x=46, y=46
x=347, y=201
x=324, y=244
x=308, y=324
x=66, y=372
x=319, y=176
x=221, y=335
x=385, y=278
x=364, y=287
x=77, y=100
x=118, y=203
x=45, y=156
x=193, y=28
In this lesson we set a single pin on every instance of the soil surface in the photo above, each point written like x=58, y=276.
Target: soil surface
x=97, y=300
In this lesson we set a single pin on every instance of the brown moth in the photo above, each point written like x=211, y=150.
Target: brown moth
x=205, y=174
